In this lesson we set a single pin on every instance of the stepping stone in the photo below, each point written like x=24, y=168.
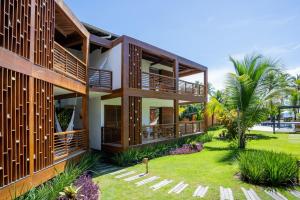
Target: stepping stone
x=178, y=188
x=148, y=180
x=226, y=194
x=118, y=172
x=250, y=194
x=132, y=178
x=126, y=174
x=295, y=193
x=160, y=184
x=200, y=191
x=275, y=195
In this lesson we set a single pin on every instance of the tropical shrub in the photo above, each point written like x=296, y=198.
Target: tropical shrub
x=135, y=155
x=268, y=168
x=52, y=188
x=229, y=121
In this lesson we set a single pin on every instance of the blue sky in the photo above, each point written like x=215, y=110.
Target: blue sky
x=205, y=31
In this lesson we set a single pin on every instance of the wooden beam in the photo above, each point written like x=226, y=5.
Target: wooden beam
x=14, y=62
x=94, y=39
x=115, y=94
x=66, y=96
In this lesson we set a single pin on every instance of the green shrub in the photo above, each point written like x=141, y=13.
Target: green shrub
x=268, y=168
x=50, y=190
x=135, y=155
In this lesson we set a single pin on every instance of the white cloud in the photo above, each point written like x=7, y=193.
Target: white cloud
x=294, y=70
x=217, y=77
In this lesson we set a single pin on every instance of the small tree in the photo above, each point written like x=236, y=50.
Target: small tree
x=247, y=92
x=213, y=109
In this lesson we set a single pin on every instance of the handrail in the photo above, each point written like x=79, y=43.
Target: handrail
x=100, y=78
x=69, y=132
x=66, y=63
x=157, y=82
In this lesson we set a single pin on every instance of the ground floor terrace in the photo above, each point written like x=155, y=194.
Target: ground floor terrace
x=152, y=120
x=214, y=167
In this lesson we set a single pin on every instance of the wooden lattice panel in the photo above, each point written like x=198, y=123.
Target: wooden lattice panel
x=135, y=120
x=43, y=124
x=14, y=126
x=44, y=32
x=135, y=64
x=15, y=16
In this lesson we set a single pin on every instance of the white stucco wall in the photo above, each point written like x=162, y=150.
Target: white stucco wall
x=96, y=119
x=113, y=63
x=151, y=102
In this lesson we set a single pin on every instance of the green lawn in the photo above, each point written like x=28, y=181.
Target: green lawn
x=215, y=166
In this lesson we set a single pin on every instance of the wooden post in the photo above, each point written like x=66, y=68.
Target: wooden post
x=205, y=98
x=32, y=30
x=125, y=97
x=31, y=125
x=176, y=102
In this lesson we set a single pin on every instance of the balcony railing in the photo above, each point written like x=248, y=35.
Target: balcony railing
x=67, y=143
x=99, y=78
x=190, y=127
x=156, y=82
x=67, y=64
x=111, y=135
x=159, y=132
x=195, y=89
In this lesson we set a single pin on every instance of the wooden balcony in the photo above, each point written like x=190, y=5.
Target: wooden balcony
x=67, y=64
x=156, y=82
x=68, y=143
x=190, y=127
x=100, y=79
x=159, y=132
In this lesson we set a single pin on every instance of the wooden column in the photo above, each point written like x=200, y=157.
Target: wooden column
x=32, y=30
x=125, y=97
x=205, y=98
x=31, y=125
x=176, y=102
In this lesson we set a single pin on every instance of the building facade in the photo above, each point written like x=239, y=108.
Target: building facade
x=67, y=86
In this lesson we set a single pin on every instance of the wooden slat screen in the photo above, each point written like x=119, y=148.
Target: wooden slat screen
x=99, y=78
x=15, y=26
x=135, y=120
x=14, y=126
x=135, y=64
x=44, y=32
x=43, y=124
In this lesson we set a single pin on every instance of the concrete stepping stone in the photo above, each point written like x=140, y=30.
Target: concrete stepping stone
x=118, y=172
x=226, y=194
x=148, y=180
x=178, y=188
x=250, y=194
x=160, y=184
x=132, y=178
x=125, y=174
x=295, y=193
x=200, y=191
x=275, y=195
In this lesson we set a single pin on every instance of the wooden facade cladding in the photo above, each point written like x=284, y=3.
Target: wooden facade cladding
x=135, y=120
x=43, y=124
x=44, y=32
x=15, y=20
x=135, y=64
x=14, y=126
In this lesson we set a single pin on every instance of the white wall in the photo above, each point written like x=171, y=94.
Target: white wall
x=113, y=63
x=151, y=102
x=96, y=119
x=147, y=64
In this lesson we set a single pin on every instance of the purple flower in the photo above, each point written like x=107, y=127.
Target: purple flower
x=187, y=149
x=89, y=190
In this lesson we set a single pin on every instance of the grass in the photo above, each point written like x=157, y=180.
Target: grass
x=215, y=166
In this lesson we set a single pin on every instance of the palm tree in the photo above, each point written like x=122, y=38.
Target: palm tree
x=247, y=91
x=214, y=108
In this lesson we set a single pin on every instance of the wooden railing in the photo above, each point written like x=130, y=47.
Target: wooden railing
x=67, y=64
x=67, y=143
x=185, y=87
x=190, y=127
x=100, y=78
x=111, y=135
x=153, y=133
x=156, y=82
